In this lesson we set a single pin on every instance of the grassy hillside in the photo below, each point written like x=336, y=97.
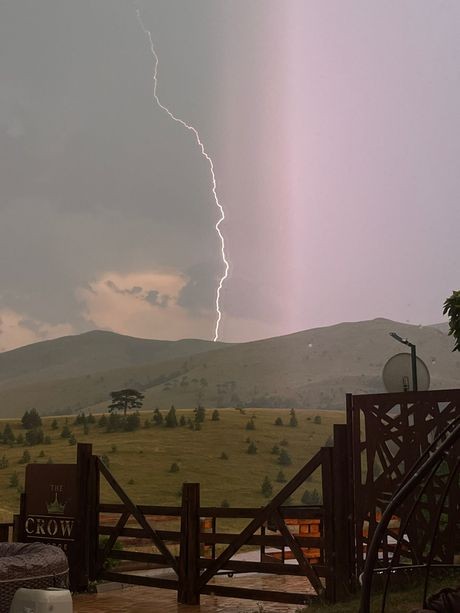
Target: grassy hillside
x=82, y=354
x=141, y=460
x=311, y=368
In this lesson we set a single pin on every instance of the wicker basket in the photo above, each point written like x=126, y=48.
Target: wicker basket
x=30, y=565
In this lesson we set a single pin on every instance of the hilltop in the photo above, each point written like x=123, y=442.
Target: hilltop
x=314, y=368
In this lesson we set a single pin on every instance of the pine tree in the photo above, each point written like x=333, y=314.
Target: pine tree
x=280, y=477
x=284, y=458
x=8, y=435
x=171, y=418
x=125, y=400
x=293, y=419
x=252, y=448
x=157, y=417
x=200, y=413
x=266, y=488
x=278, y=421
x=215, y=415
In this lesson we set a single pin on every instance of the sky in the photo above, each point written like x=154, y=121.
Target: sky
x=334, y=130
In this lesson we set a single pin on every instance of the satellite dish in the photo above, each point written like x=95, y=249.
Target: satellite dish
x=397, y=374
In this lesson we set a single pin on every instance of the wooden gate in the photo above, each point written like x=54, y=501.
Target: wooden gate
x=190, y=553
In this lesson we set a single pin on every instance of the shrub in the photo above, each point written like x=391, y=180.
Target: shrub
x=280, y=477
x=8, y=435
x=251, y=425
x=284, y=443
x=131, y=422
x=200, y=413
x=182, y=420
x=72, y=440
x=278, y=421
x=293, y=419
x=174, y=468
x=25, y=459
x=266, y=488
x=215, y=415
x=252, y=449
x=157, y=417
x=223, y=456
x=171, y=418
x=41, y=454
x=317, y=419
x=65, y=432
x=34, y=436
x=284, y=458
x=131, y=482
x=275, y=450
x=311, y=497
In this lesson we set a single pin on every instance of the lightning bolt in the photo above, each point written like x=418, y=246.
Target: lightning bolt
x=204, y=153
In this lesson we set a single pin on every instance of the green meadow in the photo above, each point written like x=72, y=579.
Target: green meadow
x=141, y=460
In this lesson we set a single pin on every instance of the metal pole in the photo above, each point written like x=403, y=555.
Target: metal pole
x=414, y=367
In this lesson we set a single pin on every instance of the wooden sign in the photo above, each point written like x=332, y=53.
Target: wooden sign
x=50, y=513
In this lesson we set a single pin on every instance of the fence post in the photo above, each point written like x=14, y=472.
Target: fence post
x=189, y=556
x=343, y=524
x=80, y=576
x=328, y=532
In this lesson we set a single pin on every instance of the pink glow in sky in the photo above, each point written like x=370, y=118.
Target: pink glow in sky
x=335, y=135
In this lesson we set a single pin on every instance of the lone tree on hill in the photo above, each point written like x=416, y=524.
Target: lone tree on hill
x=452, y=310
x=125, y=400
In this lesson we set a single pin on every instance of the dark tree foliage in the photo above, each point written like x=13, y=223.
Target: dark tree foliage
x=293, y=419
x=280, y=477
x=182, y=421
x=278, y=421
x=65, y=432
x=215, y=415
x=311, y=497
x=174, y=468
x=35, y=436
x=266, y=488
x=54, y=424
x=284, y=458
x=8, y=435
x=200, y=413
x=25, y=459
x=252, y=448
x=452, y=310
x=102, y=423
x=317, y=419
x=157, y=417
x=31, y=419
x=275, y=450
x=171, y=418
x=125, y=400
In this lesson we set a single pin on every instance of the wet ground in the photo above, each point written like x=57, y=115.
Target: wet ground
x=133, y=599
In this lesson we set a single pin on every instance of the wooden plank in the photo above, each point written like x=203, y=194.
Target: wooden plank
x=189, y=566
x=168, y=584
x=137, y=514
x=79, y=573
x=138, y=556
x=270, y=540
x=262, y=516
x=271, y=568
x=105, y=507
x=298, y=512
x=114, y=534
x=293, y=545
x=93, y=520
x=251, y=594
x=328, y=526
